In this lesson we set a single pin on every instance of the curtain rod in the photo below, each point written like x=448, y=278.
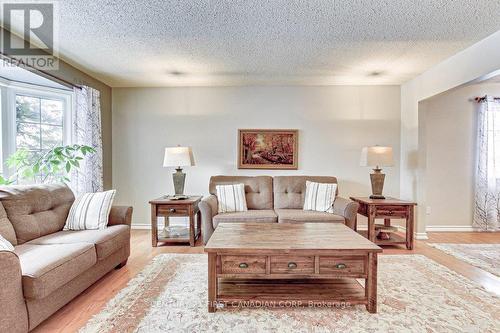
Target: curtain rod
x=485, y=98
x=43, y=73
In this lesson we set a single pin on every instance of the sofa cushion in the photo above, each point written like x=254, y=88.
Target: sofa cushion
x=36, y=210
x=258, y=190
x=290, y=191
x=299, y=215
x=45, y=268
x=6, y=228
x=106, y=241
x=256, y=215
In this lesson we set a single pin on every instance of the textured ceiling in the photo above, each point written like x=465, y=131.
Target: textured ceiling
x=167, y=43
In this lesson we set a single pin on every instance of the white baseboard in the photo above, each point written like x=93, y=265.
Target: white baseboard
x=421, y=236
x=365, y=227
x=141, y=226
x=418, y=235
x=450, y=228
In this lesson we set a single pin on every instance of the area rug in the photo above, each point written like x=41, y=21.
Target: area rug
x=416, y=294
x=484, y=256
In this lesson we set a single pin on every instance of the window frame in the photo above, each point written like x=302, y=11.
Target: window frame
x=8, y=92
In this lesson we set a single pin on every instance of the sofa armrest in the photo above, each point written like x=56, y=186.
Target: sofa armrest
x=208, y=209
x=348, y=209
x=120, y=215
x=13, y=310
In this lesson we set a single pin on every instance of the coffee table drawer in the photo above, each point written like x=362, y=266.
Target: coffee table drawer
x=243, y=264
x=342, y=265
x=292, y=264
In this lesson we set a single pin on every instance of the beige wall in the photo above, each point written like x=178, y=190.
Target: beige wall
x=447, y=139
x=474, y=62
x=334, y=123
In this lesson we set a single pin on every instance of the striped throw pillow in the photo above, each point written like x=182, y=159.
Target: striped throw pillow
x=231, y=198
x=320, y=197
x=5, y=245
x=90, y=211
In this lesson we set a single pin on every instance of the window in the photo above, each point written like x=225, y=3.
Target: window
x=39, y=123
x=33, y=118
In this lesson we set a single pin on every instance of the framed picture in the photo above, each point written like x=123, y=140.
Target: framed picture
x=268, y=148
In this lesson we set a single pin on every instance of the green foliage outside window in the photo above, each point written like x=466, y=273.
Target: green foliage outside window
x=49, y=166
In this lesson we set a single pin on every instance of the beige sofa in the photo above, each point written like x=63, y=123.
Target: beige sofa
x=49, y=266
x=273, y=200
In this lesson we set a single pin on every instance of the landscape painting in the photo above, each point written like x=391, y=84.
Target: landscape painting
x=267, y=149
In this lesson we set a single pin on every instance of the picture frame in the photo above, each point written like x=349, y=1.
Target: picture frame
x=268, y=149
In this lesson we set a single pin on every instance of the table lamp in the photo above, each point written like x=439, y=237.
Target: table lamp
x=377, y=156
x=178, y=157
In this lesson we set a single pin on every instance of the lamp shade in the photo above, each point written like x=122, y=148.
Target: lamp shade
x=178, y=157
x=377, y=156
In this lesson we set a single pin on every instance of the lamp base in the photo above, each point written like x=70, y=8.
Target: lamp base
x=179, y=178
x=377, y=179
x=377, y=197
x=176, y=197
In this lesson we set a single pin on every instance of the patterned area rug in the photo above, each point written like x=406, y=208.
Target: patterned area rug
x=416, y=294
x=484, y=256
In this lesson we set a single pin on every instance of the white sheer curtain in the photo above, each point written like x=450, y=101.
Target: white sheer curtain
x=86, y=130
x=487, y=187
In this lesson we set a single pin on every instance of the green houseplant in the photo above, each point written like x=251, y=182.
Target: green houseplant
x=53, y=165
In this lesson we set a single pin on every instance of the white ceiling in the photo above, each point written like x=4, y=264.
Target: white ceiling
x=21, y=75
x=168, y=43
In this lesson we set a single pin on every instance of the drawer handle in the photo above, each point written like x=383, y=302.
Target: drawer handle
x=172, y=210
x=340, y=266
x=243, y=265
x=292, y=265
x=390, y=212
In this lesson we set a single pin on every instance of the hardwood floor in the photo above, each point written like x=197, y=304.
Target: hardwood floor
x=75, y=314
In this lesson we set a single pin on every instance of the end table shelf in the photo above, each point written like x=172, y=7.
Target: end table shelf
x=167, y=207
x=394, y=240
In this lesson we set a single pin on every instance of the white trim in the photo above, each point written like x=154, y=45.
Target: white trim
x=418, y=235
x=450, y=228
x=141, y=226
x=9, y=90
x=365, y=227
x=421, y=236
x=65, y=97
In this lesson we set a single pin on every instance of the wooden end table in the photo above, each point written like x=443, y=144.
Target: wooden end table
x=388, y=209
x=290, y=264
x=167, y=208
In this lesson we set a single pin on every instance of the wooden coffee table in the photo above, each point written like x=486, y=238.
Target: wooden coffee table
x=288, y=265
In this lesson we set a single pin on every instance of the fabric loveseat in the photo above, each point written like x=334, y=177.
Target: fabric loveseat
x=277, y=199
x=50, y=266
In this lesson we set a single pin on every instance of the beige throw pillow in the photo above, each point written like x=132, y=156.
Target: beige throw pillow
x=320, y=196
x=231, y=198
x=90, y=211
